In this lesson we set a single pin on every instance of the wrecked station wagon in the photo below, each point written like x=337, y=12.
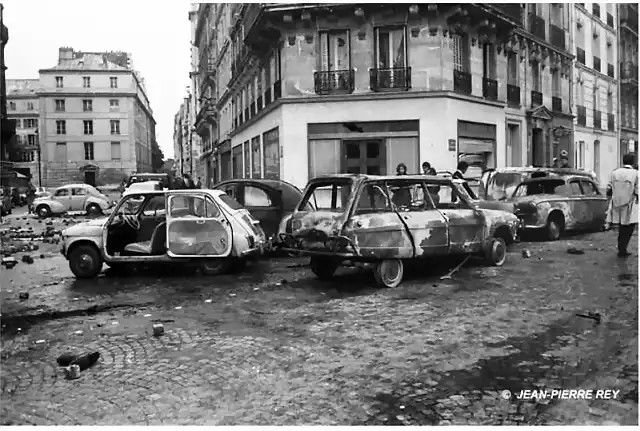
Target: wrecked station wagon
x=382, y=221
x=207, y=228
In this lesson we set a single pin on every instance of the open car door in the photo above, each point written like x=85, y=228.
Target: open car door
x=484, y=183
x=196, y=227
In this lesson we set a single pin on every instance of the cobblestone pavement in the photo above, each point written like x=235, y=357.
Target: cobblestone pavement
x=343, y=352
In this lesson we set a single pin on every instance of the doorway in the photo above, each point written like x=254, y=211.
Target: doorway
x=537, y=148
x=514, y=147
x=90, y=178
x=364, y=157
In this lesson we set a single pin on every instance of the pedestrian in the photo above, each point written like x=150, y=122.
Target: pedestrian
x=188, y=182
x=459, y=175
x=31, y=196
x=563, y=161
x=199, y=183
x=623, y=191
x=426, y=167
x=401, y=169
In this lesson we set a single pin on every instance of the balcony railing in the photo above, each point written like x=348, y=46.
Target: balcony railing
x=597, y=119
x=461, y=82
x=611, y=70
x=582, y=115
x=580, y=56
x=398, y=78
x=628, y=70
x=556, y=104
x=277, y=90
x=611, y=122
x=537, y=26
x=596, y=63
x=536, y=98
x=557, y=36
x=489, y=88
x=333, y=81
x=610, y=21
x=513, y=95
x=596, y=10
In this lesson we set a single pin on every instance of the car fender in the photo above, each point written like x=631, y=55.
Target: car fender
x=495, y=220
x=56, y=207
x=72, y=242
x=91, y=200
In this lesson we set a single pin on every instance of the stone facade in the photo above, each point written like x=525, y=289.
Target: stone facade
x=23, y=107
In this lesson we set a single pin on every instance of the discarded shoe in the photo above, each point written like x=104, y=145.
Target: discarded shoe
x=574, y=250
x=65, y=359
x=86, y=361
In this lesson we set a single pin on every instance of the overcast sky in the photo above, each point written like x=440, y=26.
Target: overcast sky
x=155, y=33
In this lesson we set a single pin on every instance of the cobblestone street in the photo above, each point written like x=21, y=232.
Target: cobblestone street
x=273, y=345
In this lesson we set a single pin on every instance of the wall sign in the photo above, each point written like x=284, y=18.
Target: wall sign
x=452, y=144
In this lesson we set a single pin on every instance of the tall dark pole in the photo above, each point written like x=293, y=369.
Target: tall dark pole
x=39, y=158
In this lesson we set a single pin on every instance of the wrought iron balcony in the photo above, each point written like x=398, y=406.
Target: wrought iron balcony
x=489, y=88
x=537, y=26
x=580, y=56
x=596, y=63
x=277, y=90
x=513, y=95
x=611, y=70
x=597, y=119
x=628, y=70
x=610, y=20
x=611, y=122
x=557, y=36
x=334, y=81
x=536, y=98
x=582, y=115
x=461, y=82
x=556, y=104
x=596, y=10
x=398, y=78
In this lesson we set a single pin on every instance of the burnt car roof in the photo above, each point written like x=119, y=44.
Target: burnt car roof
x=566, y=171
x=563, y=179
x=363, y=177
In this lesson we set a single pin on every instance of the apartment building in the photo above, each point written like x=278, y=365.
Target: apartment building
x=596, y=87
x=96, y=123
x=185, y=153
x=23, y=107
x=7, y=126
x=628, y=52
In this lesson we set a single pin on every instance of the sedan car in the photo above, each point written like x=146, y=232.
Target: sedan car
x=72, y=197
x=269, y=201
x=554, y=205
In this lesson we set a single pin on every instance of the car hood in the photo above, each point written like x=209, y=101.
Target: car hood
x=494, y=205
x=498, y=216
x=89, y=228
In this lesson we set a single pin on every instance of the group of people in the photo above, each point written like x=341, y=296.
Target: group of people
x=186, y=182
x=427, y=169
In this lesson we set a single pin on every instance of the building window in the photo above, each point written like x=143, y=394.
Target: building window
x=115, y=151
x=271, y=156
x=535, y=76
x=87, y=105
x=115, y=127
x=114, y=104
x=60, y=106
x=29, y=106
x=88, y=151
x=88, y=127
x=30, y=123
x=59, y=82
x=113, y=82
x=18, y=123
x=31, y=140
x=86, y=82
x=12, y=106
x=61, y=151
x=256, y=157
x=489, y=61
x=461, y=56
x=246, y=148
x=391, y=48
x=335, y=51
x=61, y=127
x=556, y=84
x=580, y=155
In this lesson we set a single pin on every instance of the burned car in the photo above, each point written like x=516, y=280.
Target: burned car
x=554, y=205
x=382, y=221
x=206, y=228
x=72, y=197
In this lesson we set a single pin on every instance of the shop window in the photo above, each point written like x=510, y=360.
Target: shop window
x=271, y=144
x=256, y=157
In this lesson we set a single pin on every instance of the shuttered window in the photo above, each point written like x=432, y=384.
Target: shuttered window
x=489, y=61
x=335, y=53
x=512, y=69
x=555, y=84
x=460, y=45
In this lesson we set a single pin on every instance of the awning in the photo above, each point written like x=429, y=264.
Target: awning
x=475, y=146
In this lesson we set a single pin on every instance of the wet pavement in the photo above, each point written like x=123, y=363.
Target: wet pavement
x=273, y=345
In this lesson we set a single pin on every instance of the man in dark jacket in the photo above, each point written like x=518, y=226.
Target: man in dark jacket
x=459, y=175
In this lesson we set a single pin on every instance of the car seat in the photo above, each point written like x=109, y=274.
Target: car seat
x=156, y=245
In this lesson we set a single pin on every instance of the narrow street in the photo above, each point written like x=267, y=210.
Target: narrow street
x=273, y=345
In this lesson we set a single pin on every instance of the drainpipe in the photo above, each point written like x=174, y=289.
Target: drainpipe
x=571, y=148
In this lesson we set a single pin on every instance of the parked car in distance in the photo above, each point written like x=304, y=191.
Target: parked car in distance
x=203, y=227
x=271, y=202
x=165, y=179
x=72, y=197
x=558, y=204
x=499, y=184
x=383, y=221
x=144, y=186
x=6, y=203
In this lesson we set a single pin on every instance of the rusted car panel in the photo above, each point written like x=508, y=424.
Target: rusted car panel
x=380, y=235
x=206, y=238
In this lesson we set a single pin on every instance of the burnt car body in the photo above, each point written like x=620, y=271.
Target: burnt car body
x=268, y=201
x=558, y=204
x=499, y=184
x=384, y=220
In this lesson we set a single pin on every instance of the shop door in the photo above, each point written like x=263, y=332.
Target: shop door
x=364, y=157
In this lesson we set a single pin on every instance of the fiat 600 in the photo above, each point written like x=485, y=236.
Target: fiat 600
x=384, y=221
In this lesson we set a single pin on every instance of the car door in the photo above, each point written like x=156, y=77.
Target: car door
x=596, y=202
x=196, y=227
x=465, y=223
x=78, y=199
x=63, y=196
x=577, y=203
x=265, y=205
x=232, y=190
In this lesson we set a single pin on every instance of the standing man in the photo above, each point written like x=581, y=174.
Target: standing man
x=623, y=191
x=459, y=175
x=199, y=183
x=563, y=161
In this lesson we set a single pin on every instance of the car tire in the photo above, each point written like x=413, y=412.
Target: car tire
x=43, y=211
x=94, y=210
x=389, y=273
x=555, y=227
x=217, y=266
x=85, y=261
x=323, y=267
x=496, y=252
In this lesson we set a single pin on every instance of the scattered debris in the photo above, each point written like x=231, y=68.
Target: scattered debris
x=23, y=296
x=178, y=308
x=283, y=281
x=27, y=259
x=158, y=330
x=573, y=250
x=65, y=359
x=72, y=372
x=78, y=332
x=147, y=315
x=232, y=294
x=40, y=341
x=590, y=315
x=208, y=300
x=9, y=262
x=456, y=269
x=86, y=361
x=526, y=254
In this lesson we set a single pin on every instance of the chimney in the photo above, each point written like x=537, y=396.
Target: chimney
x=65, y=53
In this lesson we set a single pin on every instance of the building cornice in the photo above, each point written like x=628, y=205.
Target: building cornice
x=596, y=74
x=12, y=114
x=87, y=94
x=78, y=71
x=22, y=96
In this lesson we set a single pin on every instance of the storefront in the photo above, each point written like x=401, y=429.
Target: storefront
x=477, y=147
x=271, y=150
x=224, y=150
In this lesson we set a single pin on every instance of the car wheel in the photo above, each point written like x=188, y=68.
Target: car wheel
x=496, y=253
x=554, y=228
x=389, y=273
x=94, y=210
x=43, y=211
x=323, y=267
x=217, y=266
x=85, y=261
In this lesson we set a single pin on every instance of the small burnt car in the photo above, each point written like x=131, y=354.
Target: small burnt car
x=554, y=205
x=382, y=221
x=206, y=228
x=269, y=201
x=72, y=197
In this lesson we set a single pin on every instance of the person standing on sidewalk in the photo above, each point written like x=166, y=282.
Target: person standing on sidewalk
x=623, y=191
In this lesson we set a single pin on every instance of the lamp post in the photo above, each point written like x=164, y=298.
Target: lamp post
x=39, y=157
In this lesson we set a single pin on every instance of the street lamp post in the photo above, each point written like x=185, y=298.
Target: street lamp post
x=39, y=158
